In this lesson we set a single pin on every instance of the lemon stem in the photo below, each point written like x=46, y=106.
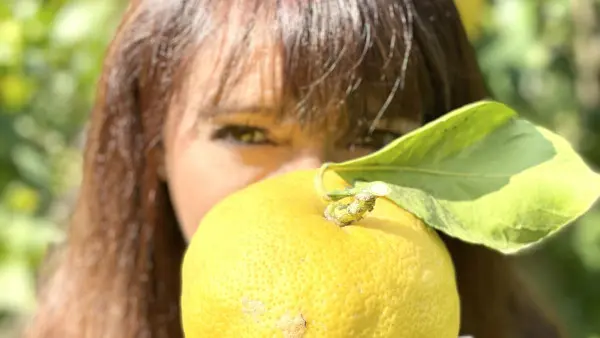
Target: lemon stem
x=319, y=185
x=345, y=213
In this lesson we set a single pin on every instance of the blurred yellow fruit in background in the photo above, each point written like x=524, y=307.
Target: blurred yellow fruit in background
x=471, y=13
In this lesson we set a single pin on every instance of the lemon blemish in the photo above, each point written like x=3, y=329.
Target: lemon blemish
x=253, y=308
x=292, y=326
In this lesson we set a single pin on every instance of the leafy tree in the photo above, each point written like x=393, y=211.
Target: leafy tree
x=543, y=59
x=540, y=57
x=50, y=57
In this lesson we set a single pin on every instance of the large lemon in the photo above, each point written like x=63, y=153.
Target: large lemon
x=266, y=263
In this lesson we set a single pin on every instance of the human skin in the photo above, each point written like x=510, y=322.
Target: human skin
x=208, y=157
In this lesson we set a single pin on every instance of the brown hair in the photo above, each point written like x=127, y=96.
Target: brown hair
x=118, y=274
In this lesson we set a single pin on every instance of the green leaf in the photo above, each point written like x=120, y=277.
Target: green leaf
x=483, y=175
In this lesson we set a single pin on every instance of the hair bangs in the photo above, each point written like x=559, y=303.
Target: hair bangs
x=349, y=63
x=354, y=58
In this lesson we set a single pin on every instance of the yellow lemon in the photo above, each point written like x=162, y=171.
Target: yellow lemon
x=265, y=262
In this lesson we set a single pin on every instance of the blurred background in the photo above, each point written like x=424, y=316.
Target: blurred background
x=542, y=57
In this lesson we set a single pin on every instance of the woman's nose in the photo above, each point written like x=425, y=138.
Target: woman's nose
x=302, y=161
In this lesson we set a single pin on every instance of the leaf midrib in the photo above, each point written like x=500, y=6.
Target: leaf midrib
x=419, y=170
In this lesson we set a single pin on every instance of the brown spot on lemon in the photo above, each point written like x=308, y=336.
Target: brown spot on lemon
x=292, y=326
x=253, y=308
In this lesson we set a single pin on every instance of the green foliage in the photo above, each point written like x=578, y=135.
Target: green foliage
x=483, y=175
x=50, y=56
x=532, y=54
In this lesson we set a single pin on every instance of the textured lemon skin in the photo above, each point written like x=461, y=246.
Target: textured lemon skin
x=265, y=263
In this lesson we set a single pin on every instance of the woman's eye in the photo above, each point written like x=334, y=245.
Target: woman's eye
x=246, y=135
x=375, y=140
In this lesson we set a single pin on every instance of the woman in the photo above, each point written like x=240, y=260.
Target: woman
x=200, y=98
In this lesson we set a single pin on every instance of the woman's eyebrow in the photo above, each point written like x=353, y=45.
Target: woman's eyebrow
x=233, y=109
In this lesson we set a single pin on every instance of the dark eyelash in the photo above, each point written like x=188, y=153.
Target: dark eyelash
x=233, y=133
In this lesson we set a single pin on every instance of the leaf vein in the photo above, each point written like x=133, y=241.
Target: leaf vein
x=419, y=170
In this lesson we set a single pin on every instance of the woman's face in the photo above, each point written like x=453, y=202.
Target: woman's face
x=208, y=156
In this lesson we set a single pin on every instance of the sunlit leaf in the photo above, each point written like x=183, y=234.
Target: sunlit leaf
x=484, y=176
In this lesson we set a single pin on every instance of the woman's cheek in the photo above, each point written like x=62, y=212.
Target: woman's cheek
x=202, y=175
